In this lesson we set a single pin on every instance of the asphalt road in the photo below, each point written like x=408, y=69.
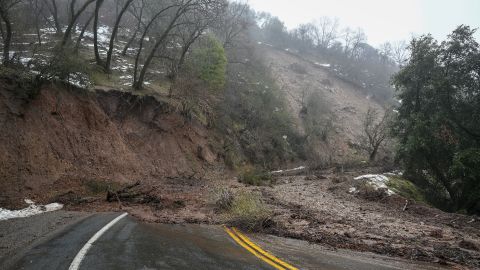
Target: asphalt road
x=129, y=244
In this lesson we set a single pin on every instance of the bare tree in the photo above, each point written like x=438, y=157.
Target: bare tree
x=2, y=32
x=352, y=41
x=325, y=31
x=233, y=23
x=37, y=9
x=400, y=52
x=98, y=5
x=305, y=33
x=194, y=24
x=6, y=8
x=73, y=20
x=147, y=27
x=385, y=50
x=54, y=11
x=181, y=10
x=375, y=131
x=137, y=13
x=82, y=32
x=114, y=34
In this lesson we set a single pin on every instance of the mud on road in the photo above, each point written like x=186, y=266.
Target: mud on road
x=323, y=211
x=318, y=209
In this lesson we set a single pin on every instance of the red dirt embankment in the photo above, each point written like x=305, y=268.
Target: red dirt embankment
x=62, y=138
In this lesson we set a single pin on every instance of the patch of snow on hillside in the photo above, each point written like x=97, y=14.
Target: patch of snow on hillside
x=323, y=64
x=31, y=210
x=291, y=170
x=377, y=181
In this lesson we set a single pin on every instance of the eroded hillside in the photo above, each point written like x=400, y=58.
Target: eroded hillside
x=343, y=104
x=63, y=139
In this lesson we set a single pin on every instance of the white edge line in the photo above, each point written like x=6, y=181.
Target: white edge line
x=75, y=265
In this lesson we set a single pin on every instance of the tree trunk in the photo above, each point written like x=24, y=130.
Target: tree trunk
x=129, y=42
x=72, y=14
x=8, y=37
x=177, y=66
x=373, y=154
x=2, y=32
x=139, y=84
x=140, y=46
x=37, y=23
x=68, y=31
x=114, y=34
x=95, y=32
x=54, y=11
x=132, y=38
x=39, y=35
x=84, y=28
x=72, y=9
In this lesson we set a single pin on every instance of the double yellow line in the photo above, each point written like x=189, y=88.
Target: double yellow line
x=243, y=241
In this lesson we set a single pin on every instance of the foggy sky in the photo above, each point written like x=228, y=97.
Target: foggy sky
x=382, y=20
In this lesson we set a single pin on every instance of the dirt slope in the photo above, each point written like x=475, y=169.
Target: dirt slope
x=299, y=77
x=65, y=138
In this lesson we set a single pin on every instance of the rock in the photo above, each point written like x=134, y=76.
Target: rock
x=466, y=244
x=436, y=233
x=339, y=179
x=205, y=154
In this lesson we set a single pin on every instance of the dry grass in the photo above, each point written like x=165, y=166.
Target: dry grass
x=245, y=210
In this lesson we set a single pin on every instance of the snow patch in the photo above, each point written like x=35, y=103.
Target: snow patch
x=291, y=170
x=322, y=64
x=377, y=181
x=31, y=210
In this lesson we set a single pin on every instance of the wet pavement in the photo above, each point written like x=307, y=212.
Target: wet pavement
x=133, y=245
x=130, y=244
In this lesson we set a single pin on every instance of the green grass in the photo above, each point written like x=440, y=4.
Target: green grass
x=248, y=212
x=95, y=187
x=406, y=189
x=255, y=177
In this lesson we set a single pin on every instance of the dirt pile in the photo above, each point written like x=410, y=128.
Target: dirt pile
x=61, y=139
x=323, y=211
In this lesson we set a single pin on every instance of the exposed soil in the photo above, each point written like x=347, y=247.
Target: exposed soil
x=322, y=211
x=64, y=140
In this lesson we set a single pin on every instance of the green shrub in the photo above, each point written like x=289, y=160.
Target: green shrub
x=66, y=66
x=255, y=117
x=466, y=170
x=317, y=118
x=255, y=177
x=406, y=189
x=210, y=63
x=248, y=212
x=97, y=186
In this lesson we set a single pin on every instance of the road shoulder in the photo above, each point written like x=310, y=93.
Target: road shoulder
x=22, y=234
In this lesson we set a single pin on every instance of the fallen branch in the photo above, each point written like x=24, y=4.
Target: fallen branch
x=129, y=194
x=405, y=206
